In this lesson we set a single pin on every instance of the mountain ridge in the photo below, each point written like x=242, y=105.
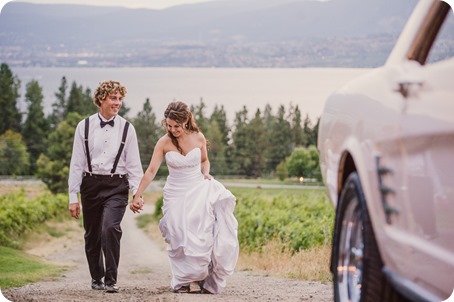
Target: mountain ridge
x=271, y=33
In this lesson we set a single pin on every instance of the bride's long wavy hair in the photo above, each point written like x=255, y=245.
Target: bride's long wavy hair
x=179, y=112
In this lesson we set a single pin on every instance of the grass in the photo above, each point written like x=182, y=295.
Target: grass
x=270, y=193
x=18, y=268
x=310, y=265
x=272, y=181
x=274, y=257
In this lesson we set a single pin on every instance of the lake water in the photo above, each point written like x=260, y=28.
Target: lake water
x=232, y=87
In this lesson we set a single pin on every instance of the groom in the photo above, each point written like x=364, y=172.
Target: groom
x=105, y=164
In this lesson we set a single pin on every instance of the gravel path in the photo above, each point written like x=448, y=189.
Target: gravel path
x=144, y=275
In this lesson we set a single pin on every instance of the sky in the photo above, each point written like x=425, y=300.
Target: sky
x=153, y=4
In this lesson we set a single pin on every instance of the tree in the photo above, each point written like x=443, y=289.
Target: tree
x=268, y=117
x=280, y=142
x=309, y=132
x=80, y=101
x=124, y=110
x=257, y=145
x=59, y=107
x=36, y=126
x=14, y=158
x=216, y=149
x=297, y=130
x=53, y=167
x=240, y=159
x=281, y=171
x=199, y=115
x=304, y=162
x=220, y=116
x=315, y=132
x=148, y=132
x=10, y=117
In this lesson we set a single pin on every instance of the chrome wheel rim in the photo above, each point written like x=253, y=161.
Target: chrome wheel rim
x=351, y=250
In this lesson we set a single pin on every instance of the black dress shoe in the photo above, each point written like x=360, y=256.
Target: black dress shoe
x=113, y=288
x=97, y=284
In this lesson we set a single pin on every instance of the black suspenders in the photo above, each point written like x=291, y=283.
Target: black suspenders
x=86, y=145
x=120, y=150
x=122, y=145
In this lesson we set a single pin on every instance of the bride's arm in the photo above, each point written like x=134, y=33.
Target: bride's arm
x=149, y=175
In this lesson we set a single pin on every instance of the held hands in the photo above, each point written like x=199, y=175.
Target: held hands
x=74, y=210
x=137, y=204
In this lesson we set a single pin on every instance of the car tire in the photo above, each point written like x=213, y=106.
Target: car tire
x=356, y=263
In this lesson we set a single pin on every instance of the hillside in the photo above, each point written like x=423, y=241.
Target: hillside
x=229, y=33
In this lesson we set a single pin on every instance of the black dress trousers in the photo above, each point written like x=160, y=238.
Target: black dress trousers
x=104, y=200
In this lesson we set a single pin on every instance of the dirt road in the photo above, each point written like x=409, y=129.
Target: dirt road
x=144, y=275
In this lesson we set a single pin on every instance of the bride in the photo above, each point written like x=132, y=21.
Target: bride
x=198, y=222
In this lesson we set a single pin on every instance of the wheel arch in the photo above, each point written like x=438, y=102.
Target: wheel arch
x=346, y=167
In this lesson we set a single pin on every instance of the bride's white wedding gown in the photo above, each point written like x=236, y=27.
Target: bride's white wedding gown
x=198, y=224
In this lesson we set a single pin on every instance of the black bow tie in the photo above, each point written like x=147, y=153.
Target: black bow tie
x=107, y=123
x=111, y=122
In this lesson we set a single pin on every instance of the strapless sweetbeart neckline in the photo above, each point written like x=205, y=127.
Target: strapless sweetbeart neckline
x=173, y=151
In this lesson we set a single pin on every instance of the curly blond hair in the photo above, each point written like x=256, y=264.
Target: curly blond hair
x=107, y=88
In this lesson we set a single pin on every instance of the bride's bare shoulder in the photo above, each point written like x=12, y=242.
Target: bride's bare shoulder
x=199, y=135
x=164, y=142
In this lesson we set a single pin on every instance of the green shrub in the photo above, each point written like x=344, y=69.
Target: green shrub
x=299, y=221
x=158, y=208
x=18, y=214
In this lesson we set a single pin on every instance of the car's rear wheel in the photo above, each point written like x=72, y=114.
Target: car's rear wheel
x=356, y=262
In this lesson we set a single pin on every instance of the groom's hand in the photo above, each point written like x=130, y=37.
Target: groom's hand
x=136, y=205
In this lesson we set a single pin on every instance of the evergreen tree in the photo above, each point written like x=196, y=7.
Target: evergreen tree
x=36, y=126
x=268, y=117
x=80, y=101
x=59, y=106
x=124, y=110
x=307, y=130
x=10, y=117
x=216, y=149
x=220, y=116
x=257, y=145
x=315, y=132
x=148, y=132
x=14, y=158
x=199, y=115
x=240, y=159
x=53, y=167
x=280, y=140
x=297, y=130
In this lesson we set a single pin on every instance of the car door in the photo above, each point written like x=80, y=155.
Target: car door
x=427, y=150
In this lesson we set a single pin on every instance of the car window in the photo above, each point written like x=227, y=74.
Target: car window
x=443, y=47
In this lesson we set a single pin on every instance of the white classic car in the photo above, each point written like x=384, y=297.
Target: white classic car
x=386, y=143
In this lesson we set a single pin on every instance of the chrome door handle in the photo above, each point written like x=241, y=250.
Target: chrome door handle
x=407, y=88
